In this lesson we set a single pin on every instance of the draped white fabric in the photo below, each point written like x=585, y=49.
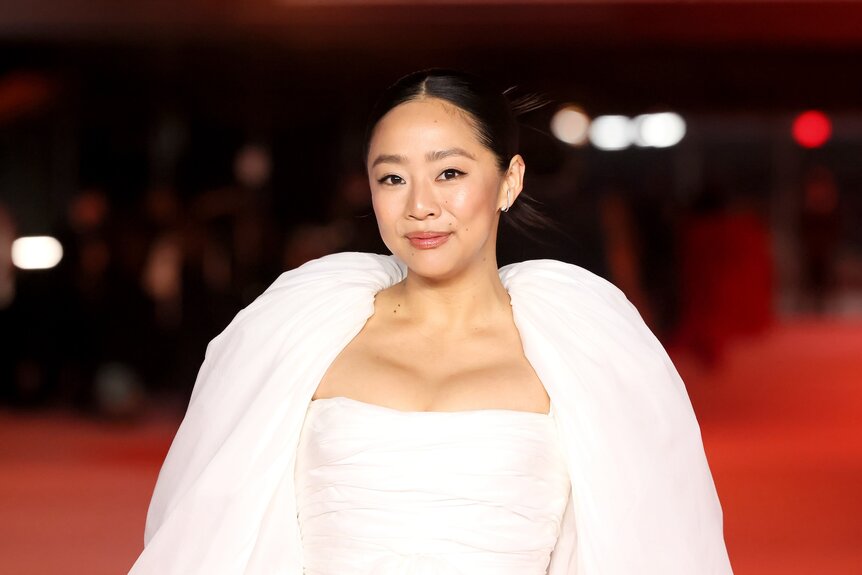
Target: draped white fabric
x=405, y=493
x=642, y=498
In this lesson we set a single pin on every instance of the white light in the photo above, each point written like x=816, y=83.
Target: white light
x=571, y=125
x=36, y=253
x=659, y=130
x=612, y=132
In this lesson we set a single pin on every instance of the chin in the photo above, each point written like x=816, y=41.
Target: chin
x=434, y=265
x=442, y=269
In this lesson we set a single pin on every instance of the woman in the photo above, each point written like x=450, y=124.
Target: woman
x=428, y=413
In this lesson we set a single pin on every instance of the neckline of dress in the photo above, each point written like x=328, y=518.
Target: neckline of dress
x=374, y=406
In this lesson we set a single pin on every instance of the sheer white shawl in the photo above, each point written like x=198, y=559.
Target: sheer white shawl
x=642, y=498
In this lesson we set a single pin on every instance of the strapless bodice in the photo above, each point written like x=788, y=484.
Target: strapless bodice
x=385, y=491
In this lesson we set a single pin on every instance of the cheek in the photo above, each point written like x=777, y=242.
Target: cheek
x=385, y=212
x=472, y=204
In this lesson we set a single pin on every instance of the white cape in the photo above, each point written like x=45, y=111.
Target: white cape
x=642, y=498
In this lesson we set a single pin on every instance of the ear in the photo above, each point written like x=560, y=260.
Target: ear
x=513, y=181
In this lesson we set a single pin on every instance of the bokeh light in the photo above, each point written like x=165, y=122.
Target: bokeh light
x=253, y=166
x=812, y=129
x=570, y=124
x=36, y=252
x=661, y=130
x=612, y=132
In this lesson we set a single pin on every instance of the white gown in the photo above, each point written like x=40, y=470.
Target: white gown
x=388, y=492
x=641, y=501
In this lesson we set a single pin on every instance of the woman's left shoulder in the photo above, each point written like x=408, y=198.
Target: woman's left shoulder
x=572, y=294
x=547, y=273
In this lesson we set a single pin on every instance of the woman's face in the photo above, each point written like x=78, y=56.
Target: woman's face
x=436, y=190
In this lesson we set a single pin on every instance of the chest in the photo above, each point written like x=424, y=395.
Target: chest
x=416, y=371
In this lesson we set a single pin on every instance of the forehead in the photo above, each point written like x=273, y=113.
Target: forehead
x=423, y=125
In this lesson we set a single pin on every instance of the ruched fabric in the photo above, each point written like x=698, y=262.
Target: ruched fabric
x=386, y=492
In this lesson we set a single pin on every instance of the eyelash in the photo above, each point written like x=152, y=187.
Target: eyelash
x=458, y=173
x=387, y=179
x=384, y=179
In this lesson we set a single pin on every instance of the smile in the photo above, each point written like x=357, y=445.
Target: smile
x=428, y=240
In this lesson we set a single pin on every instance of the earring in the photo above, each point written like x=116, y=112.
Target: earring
x=508, y=199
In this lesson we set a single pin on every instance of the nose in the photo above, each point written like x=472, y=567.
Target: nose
x=422, y=202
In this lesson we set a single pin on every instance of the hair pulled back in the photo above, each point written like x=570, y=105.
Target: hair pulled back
x=488, y=110
x=492, y=115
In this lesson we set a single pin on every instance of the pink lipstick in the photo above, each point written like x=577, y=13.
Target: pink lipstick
x=428, y=240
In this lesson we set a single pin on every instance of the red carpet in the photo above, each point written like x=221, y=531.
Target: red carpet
x=781, y=419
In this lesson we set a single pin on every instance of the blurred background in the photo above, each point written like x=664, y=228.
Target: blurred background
x=161, y=162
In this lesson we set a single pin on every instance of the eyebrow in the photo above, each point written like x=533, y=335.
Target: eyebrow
x=430, y=156
x=389, y=159
x=439, y=155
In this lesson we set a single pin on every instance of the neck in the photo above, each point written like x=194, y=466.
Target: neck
x=471, y=300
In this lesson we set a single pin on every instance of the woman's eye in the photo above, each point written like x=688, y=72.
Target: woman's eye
x=450, y=174
x=391, y=180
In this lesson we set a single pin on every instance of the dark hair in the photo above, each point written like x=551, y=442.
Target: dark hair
x=493, y=116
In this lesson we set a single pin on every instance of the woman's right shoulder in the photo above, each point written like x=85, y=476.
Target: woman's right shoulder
x=337, y=268
x=318, y=297
x=320, y=285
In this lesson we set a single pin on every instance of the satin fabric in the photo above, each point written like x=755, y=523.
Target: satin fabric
x=393, y=492
x=642, y=498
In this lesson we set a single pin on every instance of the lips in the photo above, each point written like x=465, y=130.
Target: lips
x=427, y=240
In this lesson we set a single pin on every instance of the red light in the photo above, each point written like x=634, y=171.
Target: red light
x=812, y=129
